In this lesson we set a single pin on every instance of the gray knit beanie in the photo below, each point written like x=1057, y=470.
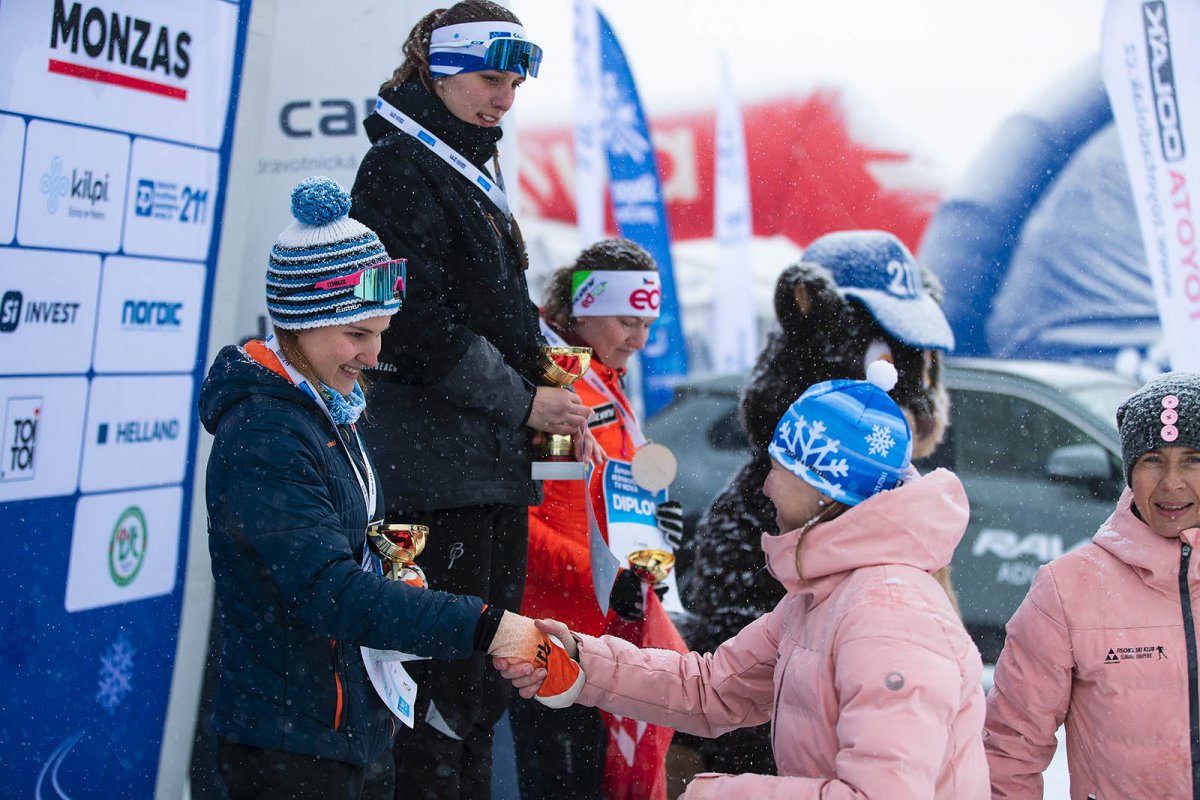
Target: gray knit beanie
x=1163, y=413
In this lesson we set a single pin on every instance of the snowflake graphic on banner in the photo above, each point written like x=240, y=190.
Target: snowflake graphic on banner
x=620, y=126
x=879, y=441
x=817, y=451
x=116, y=672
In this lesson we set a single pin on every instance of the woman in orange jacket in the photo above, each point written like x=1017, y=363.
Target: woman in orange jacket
x=608, y=301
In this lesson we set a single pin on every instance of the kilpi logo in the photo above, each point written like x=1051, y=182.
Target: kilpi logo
x=127, y=547
x=54, y=184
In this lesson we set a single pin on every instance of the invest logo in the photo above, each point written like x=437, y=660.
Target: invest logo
x=10, y=311
x=127, y=547
x=22, y=416
x=14, y=310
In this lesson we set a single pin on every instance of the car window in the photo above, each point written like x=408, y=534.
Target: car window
x=725, y=432
x=998, y=435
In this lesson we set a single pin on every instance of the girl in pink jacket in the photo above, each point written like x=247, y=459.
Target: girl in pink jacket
x=864, y=669
x=1105, y=641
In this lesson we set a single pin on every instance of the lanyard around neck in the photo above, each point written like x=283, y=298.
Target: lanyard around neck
x=593, y=380
x=366, y=486
x=473, y=174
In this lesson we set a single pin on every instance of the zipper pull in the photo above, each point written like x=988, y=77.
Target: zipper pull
x=1187, y=549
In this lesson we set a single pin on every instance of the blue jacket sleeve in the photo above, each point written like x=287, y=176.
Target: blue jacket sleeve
x=279, y=520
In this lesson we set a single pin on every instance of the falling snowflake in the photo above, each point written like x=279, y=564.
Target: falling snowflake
x=808, y=442
x=879, y=441
x=116, y=670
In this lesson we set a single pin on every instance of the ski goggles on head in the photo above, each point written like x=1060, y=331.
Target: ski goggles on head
x=514, y=55
x=479, y=46
x=378, y=283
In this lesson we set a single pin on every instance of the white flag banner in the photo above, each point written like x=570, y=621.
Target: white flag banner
x=591, y=166
x=734, y=331
x=1151, y=68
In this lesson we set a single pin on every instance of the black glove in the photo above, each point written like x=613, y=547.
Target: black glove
x=626, y=597
x=669, y=516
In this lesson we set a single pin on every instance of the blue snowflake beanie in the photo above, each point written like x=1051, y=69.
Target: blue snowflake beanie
x=847, y=439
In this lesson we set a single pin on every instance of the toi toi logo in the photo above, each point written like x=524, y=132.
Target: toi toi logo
x=54, y=185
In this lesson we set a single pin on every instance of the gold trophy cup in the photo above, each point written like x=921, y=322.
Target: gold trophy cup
x=399, y=544
x=561, y=366
x=651, y=565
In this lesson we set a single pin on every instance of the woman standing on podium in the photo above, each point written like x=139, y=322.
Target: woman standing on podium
x=456, y=402
x=607, y=300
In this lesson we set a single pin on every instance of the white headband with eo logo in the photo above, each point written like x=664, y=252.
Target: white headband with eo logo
x=615, y=293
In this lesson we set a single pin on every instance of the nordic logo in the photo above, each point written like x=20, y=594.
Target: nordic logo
x=127, y=547
x=1162, y=79
x=115, y=39
x=38, y=312
x=21, y=418
x=151, y=315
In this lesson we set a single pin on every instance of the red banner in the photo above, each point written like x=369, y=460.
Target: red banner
x=811, y=172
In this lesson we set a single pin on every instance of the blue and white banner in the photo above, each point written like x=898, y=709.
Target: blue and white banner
x=1151, y=71
x=638, y=208
x=115, y=136
x=734, y=326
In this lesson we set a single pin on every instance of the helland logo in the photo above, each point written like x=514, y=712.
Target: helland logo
x=1162, y=79
x=15, y=311
x=22, y=416
x=151, y=315
x=117, y=39
x=127, y=546
x=144, y=431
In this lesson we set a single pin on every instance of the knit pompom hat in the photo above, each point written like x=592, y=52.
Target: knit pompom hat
x=847, y=439
x=321, y=244
x=1163, y=413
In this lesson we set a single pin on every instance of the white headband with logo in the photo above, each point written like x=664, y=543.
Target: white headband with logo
x=615, y=293
x=462, y=47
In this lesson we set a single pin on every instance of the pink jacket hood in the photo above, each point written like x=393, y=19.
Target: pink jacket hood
x=918, y=525
x=1153, y=558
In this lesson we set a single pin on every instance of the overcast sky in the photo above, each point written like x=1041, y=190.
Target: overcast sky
x=941, y=73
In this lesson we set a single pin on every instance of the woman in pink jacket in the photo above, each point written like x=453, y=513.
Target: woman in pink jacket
x=1106, y=639
x=864, y=669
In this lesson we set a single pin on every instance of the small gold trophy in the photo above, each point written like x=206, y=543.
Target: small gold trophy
x=561, y=366
x=399, y=544
x=651, y=565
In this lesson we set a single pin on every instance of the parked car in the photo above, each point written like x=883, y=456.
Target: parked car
x=1035, y=444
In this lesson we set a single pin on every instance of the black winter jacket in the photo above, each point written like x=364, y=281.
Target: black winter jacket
x=459, y=364
x=287, y=527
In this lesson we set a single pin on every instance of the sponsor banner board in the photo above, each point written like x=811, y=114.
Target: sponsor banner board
x=169, y=211
x=73, y=188
x=47, y=311
x=150, y=67
x=149, y=315
x=137, y=432
x=125, y=548
x=41, y=437
x=12, y=145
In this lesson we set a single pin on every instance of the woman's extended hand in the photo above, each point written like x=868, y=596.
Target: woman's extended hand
x=558, y=410
x=527, y=679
